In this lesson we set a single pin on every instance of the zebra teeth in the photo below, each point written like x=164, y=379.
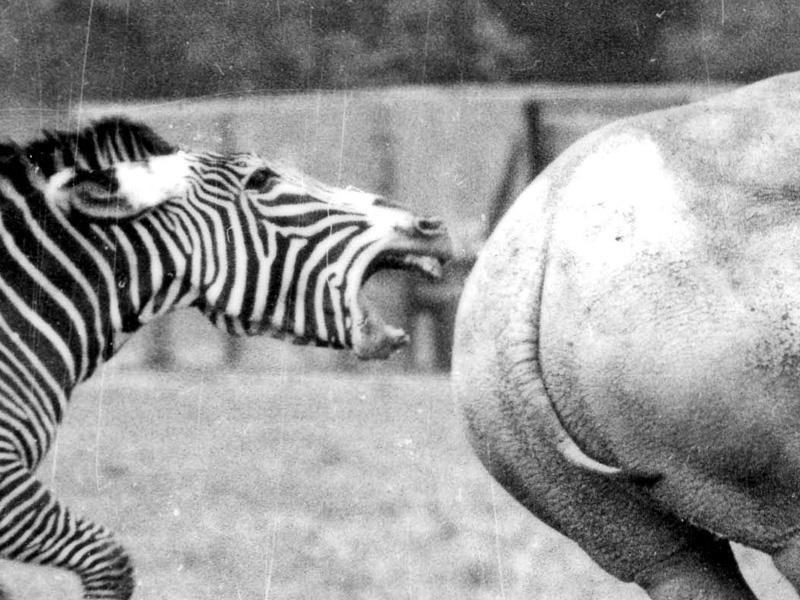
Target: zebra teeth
x=427, y=265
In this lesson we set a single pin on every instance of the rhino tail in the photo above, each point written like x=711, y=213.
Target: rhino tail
x=567, y=447
x=574, y=455
x=527, y=374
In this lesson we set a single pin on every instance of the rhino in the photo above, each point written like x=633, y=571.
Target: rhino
x=627, y=345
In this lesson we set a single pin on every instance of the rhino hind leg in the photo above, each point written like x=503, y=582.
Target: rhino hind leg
x=611, y=518
x=706, y=570
x=629, y=537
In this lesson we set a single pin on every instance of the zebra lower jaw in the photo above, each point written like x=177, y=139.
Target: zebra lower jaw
x=372, y=337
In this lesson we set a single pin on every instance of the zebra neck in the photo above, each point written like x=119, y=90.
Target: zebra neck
x=151, y=275
x=69, y=290
x=55, y=295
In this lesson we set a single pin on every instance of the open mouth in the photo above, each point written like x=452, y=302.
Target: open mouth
x=358, y=324
x=371, y=337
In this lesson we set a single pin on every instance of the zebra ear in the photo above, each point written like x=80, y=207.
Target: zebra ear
x=124, y=191
x=92, y=194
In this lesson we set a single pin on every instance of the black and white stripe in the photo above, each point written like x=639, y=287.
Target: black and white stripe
x=105, y=229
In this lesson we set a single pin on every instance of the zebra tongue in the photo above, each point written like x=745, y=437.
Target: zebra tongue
x=372, y=338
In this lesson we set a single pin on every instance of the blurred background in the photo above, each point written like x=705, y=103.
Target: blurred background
x=254, y=469
x=58, y=51
x=449, y=106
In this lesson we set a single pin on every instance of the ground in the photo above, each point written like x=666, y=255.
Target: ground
x=238, y=486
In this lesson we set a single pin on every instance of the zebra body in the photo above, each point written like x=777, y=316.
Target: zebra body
x=104, y=230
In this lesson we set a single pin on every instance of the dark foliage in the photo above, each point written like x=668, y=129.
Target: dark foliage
x=58, y=52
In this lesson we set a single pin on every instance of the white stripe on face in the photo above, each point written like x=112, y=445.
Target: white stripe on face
x=147, y=184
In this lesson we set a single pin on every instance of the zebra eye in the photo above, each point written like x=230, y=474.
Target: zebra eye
x=258, y=179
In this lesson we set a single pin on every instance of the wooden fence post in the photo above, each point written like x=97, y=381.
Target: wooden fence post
x=529, y=153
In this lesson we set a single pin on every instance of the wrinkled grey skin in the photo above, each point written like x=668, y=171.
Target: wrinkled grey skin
x=627, y=349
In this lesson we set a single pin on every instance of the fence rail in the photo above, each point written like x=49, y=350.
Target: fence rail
x=462, y=153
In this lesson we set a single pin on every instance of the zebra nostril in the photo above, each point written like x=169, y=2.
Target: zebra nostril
x=428, y=226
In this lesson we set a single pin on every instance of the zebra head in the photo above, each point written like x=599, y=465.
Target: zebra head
x=257, y=247
x=310, y=249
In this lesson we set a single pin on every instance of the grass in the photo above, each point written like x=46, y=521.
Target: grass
x=246, y=486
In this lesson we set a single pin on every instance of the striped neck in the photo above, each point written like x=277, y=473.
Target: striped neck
x=55, y=305
x=70, y=308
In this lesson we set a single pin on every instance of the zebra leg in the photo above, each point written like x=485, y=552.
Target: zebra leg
x=35, y=528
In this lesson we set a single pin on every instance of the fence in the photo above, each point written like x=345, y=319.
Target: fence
x=462, y=153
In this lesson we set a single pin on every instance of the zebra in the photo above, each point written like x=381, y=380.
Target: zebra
x=106, y=228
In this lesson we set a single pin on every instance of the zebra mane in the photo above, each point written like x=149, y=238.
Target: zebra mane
x=106, y=141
